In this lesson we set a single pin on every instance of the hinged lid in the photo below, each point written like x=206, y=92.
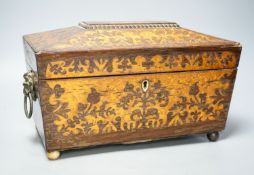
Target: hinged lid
x=95, y=49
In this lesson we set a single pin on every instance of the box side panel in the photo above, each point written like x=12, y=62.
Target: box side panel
x=84, y=112
x=37, y=116
x=30, y=59
x=67, y=65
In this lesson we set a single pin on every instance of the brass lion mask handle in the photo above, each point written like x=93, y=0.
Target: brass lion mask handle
x=29, y=92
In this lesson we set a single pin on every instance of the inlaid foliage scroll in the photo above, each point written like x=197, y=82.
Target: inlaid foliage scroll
x=138, y=63
x=74, y=39
x=80, y=108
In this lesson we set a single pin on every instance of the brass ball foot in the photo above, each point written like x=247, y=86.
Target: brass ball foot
x=213, y=136
x=54, y=155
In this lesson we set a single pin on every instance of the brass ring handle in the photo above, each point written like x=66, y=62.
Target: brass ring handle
x=28, y=114
x=29, y=92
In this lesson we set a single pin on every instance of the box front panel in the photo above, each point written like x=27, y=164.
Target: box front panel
x=82, y=112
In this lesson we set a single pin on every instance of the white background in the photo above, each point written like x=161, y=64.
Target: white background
x=21, y=151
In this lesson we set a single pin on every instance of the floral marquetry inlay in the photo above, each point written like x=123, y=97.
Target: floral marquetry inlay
x=111, y=83
x=79, y=39
x=99, y=106
x=139, y=63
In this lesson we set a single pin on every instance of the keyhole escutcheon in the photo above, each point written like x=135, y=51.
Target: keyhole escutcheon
x=145, y=85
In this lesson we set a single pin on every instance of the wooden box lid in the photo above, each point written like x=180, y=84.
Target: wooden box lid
x=129, y=39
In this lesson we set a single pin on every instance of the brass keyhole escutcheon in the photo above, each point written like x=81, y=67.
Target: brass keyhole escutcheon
x=145, y=85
